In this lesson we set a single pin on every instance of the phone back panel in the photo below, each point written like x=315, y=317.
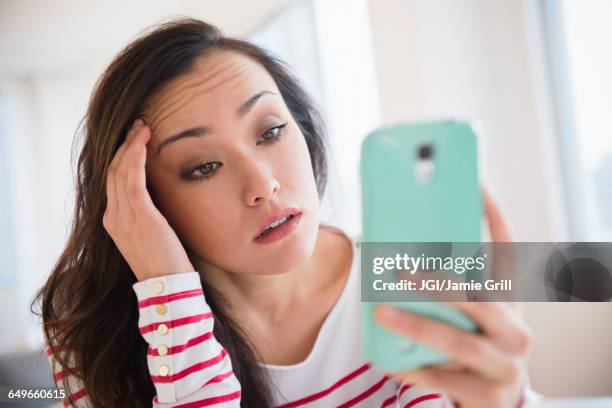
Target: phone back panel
x=398, y=207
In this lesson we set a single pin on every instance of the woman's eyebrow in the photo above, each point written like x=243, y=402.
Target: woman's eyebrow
x=203, y=130
x=246, y=106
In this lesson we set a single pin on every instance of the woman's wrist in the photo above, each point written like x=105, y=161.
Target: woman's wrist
x=174, y=270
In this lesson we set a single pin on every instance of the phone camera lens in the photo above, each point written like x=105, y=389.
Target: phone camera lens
x=425, y=152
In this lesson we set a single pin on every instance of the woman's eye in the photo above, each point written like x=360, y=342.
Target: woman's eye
x=204, y=171
x=207, y=170
x=273, y=134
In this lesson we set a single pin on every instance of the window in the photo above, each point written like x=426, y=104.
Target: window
x=581, y=62
x=7, y=250
x=8, y=261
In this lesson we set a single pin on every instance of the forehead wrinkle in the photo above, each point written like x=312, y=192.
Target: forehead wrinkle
x=186, y=99
x=171, y=95
x=179, y=100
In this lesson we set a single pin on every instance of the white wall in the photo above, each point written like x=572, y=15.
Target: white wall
x=483, y=60
x=40, y=36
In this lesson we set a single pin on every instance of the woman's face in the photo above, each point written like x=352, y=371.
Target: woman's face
x=218, y=187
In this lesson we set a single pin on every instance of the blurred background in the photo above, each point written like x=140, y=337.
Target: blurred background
x=534, y=74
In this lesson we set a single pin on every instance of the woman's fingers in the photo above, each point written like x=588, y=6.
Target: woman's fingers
x=125, y=166
x=136, y=183
x=126, y=142
x=111, y=176
x=500, y=231
x=501, y=322
x=472, y=350
x=115, y=163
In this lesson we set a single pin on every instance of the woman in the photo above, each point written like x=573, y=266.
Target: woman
x=197, y=203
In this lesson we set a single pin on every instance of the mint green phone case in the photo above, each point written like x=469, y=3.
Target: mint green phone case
x=398, y=207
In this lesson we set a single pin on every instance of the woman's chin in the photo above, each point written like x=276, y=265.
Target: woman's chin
x=288, y=253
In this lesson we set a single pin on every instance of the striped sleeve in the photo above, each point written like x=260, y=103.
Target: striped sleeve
x=68, y=382
x=188, y=366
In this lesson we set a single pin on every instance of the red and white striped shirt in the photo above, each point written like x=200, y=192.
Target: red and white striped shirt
x=337, y=373
x=190, y=369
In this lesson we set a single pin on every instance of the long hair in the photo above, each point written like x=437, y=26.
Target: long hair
x=87, y=305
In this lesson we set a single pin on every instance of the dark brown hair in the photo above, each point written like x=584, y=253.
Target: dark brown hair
x=87, y=304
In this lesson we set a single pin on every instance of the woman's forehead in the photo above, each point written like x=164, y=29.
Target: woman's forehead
x=219, y=80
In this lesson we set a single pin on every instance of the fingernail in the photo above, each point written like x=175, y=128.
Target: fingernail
x=138, y=122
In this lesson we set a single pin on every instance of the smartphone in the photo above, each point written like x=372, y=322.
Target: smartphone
x=419, y=184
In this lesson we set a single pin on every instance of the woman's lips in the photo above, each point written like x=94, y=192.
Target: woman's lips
x=279, y=232
x=279, y=215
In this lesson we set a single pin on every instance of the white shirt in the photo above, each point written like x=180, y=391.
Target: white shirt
x=189, y=368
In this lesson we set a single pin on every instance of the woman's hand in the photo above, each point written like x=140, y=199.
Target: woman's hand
x=500, y=231
x=488, y=369
x=142, y=234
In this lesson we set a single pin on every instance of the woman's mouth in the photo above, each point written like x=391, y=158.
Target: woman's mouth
x=279, y=229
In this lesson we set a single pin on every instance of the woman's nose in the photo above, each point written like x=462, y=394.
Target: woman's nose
x=261, y=185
